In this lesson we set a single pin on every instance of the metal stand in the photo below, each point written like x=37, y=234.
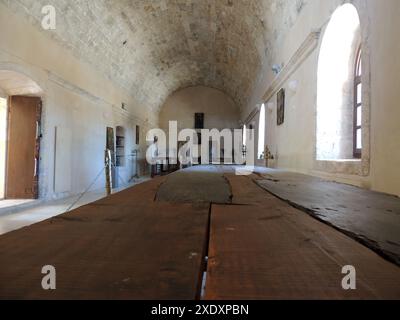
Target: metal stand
x=134, y=155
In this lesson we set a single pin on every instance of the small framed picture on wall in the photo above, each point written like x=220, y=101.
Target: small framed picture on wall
x=199, y=121
x=281, y=107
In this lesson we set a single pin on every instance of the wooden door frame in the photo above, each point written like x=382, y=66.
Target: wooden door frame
x=37, y=147
x=39, y=109
x=6, y=146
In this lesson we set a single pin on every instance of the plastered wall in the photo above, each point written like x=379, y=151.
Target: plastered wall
x=294, y=142
x=220, y=110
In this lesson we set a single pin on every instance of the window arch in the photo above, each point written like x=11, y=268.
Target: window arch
x=337, y=133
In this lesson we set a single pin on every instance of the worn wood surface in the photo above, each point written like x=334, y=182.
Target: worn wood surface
x=270, y=250
x=197, y=184
x=136, y=249
x=369, y=217
x=134, y=245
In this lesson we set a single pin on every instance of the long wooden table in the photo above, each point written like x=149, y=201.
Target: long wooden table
x=149, y=243
x=126, y=246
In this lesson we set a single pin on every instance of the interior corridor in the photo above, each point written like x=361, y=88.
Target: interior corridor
x=199, y=149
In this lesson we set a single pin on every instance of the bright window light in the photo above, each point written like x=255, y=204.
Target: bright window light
x=335, y=69
x=261, y=133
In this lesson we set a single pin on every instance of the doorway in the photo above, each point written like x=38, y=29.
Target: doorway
x=23, y=147
x=20, y=134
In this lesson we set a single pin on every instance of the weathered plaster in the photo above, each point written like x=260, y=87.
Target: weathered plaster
x=153, y=48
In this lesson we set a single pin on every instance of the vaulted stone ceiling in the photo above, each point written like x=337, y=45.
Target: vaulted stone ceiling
x=154, y=47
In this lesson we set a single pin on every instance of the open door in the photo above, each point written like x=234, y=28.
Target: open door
x=23, y=148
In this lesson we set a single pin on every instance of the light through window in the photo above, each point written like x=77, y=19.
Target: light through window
x=261, y=133
x=339, y=88
x=358, y=104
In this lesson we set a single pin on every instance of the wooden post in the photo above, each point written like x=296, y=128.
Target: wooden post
x=108, y=163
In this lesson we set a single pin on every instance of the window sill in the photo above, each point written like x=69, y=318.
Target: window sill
x=340, y=166
x=341, y=160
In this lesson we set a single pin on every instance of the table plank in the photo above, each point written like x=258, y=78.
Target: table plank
x=122, y=247
x=369, y=217
x=273, y=251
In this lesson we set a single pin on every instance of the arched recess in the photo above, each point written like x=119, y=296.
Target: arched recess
x=201, y=107
x=342, y=40
x=20, y=122
x=14, y=83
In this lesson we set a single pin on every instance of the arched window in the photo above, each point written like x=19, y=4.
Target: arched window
x=358, y=103
x=261, y=133
x=338, y=130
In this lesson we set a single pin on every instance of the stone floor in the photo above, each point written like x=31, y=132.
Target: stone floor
x=12, y=206
x=147, y=242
